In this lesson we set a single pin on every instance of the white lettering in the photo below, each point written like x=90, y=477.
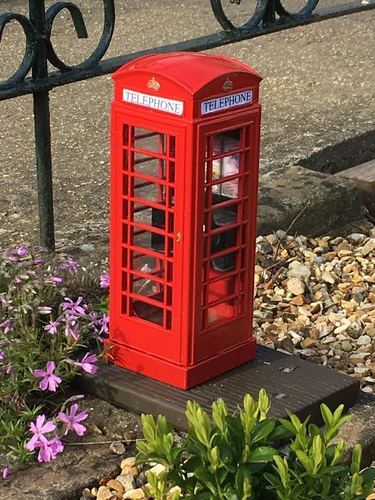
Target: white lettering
x=154, y=102
x=229, y=101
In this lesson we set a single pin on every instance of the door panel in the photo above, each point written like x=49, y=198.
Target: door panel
x=228, y=153
x=149, y=216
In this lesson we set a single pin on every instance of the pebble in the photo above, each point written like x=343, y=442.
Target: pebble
x=296, y=286
x=364, y=340
x=319, y=303
x=136, y=494
x=346, y=346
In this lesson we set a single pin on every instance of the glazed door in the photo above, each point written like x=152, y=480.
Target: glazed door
x=149, y=217
x=228, y=156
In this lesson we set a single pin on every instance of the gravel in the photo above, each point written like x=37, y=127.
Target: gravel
x=315, y=298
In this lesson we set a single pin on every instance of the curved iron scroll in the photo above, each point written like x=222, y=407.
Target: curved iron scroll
x=33, y=35
x=29, y=55
x=264, y=13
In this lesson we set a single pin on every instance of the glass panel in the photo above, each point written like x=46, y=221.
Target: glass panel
x=125, y=134
x=224, y=216
x=228, y=189
x=149, y=140
x=151, y=241
x=227, y=141
x=149, y=166
x=147, y=264
x=172, y=172
x=149, y=191
x=147, y=312
x=142, y=214
x=172, y=146
x=221, y=289
x=224, y=167
x=220, y=312
x=148, y=288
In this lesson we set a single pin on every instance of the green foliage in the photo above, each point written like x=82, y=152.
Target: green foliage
x=238, y=457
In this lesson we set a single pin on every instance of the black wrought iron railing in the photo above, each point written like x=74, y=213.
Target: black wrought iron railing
x=33, y=76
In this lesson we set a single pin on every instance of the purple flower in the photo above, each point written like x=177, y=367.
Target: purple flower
x=87, y=363
x=38, y=261
x=5, y=472
x=2, y=355
x=22, y=251
x=51, y=327
x=71, y=330
x=69, y=264
x=49, y=380
x=49, y=450
x=56, y=279
x=39, y=428
x=9, y=369
x=7, y=325
x=104, y=322
x=72, y=420
x=104, y=280
x=74, y=308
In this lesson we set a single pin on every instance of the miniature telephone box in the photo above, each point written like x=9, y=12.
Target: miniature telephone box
x=184, y=183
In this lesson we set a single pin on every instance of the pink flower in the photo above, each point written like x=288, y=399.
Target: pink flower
x=2, y=355
x=72, y=420
x=70, y=265
x=5, y=472
x=56, y=279
x=22, y=251
x=49, y=380
x=71, y=330
x=87, y=363
x=104, y=280
x=51, y=327
x=49, y=450
x=39, y=428
x=74, y=308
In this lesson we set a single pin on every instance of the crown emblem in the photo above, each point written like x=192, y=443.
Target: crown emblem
x=153, y=84
x=228, y=84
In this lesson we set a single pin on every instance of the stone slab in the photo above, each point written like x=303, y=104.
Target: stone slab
x=363, y=176
x=294, y=385
x=333, y=202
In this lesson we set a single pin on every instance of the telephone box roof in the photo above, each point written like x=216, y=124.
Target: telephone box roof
x=191, y=71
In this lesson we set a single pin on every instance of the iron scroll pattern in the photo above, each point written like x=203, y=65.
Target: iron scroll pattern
x=266, y=12
x=40, y=32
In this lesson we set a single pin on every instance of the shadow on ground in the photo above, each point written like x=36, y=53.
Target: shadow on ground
x=343, y=155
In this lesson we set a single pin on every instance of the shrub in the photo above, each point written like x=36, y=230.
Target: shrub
x=49, y=328
x=239, y=457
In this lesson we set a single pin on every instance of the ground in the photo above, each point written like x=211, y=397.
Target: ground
x=317, y=92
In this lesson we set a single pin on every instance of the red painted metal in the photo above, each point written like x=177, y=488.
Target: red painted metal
x=184, y=182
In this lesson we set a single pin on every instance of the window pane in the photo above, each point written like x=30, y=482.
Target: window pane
x=149, y=166
x=227, y=141
x=149, y=140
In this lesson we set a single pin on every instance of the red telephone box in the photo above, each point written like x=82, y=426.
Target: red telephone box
x=184, y=183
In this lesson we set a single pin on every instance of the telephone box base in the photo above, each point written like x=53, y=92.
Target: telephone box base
x=179, y=376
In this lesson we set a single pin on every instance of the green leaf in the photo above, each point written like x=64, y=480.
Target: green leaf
x=262, y=430
x=356, y=459
x=263, y=454
x=326, y=414
x=192, y=463
x=305, y=461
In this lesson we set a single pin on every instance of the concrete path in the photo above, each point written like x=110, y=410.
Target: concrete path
x=318, y=91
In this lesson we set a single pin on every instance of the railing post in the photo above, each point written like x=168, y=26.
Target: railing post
x=42, y=129
x=270, y=13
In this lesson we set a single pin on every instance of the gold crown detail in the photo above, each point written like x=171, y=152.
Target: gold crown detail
x=153, y=84
x=228, y=84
